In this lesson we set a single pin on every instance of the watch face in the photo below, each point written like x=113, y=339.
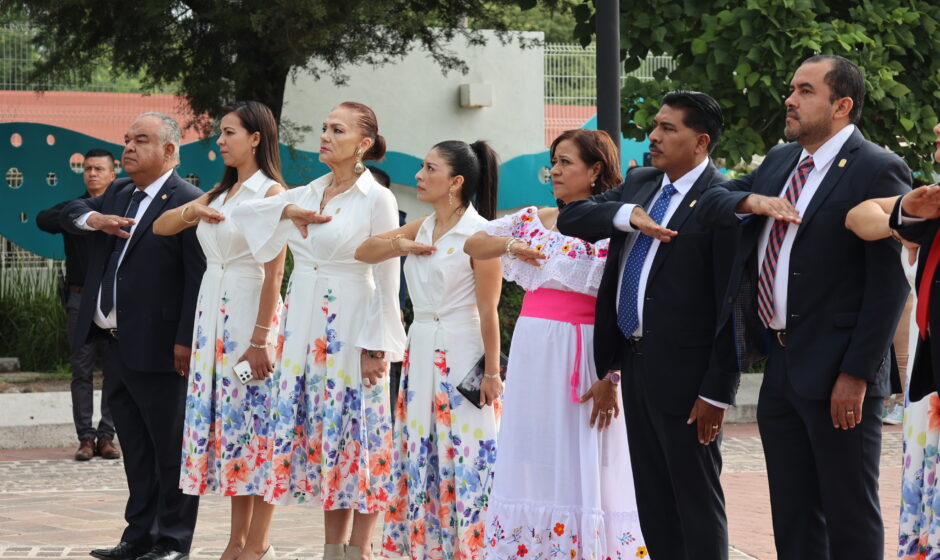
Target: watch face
x=613, y=377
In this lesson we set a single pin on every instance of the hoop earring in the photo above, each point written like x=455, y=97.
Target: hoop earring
x=359, y=168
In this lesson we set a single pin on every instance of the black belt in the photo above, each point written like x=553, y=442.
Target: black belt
x=779, y=336
x=635, y=344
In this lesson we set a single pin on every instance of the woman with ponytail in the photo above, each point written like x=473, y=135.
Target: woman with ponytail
x=445, y=446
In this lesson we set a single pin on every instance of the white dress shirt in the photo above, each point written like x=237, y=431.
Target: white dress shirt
x=622, y=222
x=109, y=321
x=822, y=162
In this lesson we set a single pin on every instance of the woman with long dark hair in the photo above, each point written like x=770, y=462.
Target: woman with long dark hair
x=225, y=442
x=563, y=486
x=331, y=419
x=445, y=446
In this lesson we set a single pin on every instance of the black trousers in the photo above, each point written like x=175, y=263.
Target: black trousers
x=823, y=480
x=148, y=409
x=83, y=358
x=677, y=479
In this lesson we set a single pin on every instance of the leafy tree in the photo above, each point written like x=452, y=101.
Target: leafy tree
x=744, y=53
x=557, y=22
x=217, y=52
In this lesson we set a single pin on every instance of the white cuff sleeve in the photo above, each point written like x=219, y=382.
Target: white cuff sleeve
x=82, y=221
x=715, y=403
x=622, y=218
x=742, y=216
x=905, y=220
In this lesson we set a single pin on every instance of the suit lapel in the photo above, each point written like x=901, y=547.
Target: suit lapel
x=679, y=217
x=831, y=179
x=154, y=210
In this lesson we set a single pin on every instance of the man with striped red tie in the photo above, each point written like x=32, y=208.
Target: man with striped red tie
x=825, y=304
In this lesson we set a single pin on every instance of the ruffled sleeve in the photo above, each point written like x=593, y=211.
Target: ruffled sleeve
x=383, y=330
x=511, y=225
x=260, y=222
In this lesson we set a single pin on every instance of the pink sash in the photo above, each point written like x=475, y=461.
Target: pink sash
x=566, y=307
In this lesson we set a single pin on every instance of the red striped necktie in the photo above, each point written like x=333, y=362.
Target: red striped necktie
x=768, y=270
x=926, y=281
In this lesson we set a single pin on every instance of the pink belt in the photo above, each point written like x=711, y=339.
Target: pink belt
x=566, y=307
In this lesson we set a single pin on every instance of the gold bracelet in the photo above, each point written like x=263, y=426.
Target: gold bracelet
x=395, y=242
x=512, y=241
x=183, y=215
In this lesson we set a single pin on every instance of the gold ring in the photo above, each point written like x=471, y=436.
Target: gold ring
x=610, y=411
x=852, y=412
x=714, y=427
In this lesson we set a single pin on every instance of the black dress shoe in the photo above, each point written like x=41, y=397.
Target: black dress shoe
x=123, y=551
x=164, y=553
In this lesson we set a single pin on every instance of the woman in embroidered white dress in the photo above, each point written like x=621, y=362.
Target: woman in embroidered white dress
x=331, y=420
x=445, y=446
x=560, y=489
x=225, y=439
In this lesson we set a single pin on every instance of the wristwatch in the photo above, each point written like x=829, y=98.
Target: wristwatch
x=374, y=354
x=613, y=377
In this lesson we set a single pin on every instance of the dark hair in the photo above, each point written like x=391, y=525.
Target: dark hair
x=595, y=146
x=380, y=176
x=702, y=113
x=369, y=126
x=255, y=117
x=478, y=164
x=100, y=152
x=844, y=79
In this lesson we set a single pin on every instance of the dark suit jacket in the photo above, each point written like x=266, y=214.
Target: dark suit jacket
x=925, y=372
x=157, y=281
x=688, y=276
x=844, y=295
x=78, y=248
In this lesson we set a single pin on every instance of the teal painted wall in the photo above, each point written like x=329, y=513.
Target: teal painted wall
x=523, y=179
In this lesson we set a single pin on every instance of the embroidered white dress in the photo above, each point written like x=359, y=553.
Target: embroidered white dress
x=225, y=438
x=445, y=447
x=562, y=489
x=331, y=436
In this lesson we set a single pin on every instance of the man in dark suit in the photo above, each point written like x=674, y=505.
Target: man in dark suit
x=98, y=174
x=826, y=304
x=141, y=292
x=657, y=312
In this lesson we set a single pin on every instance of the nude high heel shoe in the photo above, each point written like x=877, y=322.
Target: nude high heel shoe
x=334, y=552
x=356, y=553
x=268, y=554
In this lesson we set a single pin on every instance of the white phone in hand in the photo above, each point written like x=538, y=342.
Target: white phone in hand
x=243, y=371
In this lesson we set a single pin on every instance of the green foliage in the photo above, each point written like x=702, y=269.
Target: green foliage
x=557, y=22
x=744, y=54
x=217, y=52
x=510, y=303
x=33, y=325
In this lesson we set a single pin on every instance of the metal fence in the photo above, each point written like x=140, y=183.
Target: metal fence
x=571, y=84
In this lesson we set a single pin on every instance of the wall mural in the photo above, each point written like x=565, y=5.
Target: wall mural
x=41, y=165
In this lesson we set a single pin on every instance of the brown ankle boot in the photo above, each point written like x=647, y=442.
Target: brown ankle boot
x=107, y=449
x=86, y=450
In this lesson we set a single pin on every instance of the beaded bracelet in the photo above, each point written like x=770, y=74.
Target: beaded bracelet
x=259, y=346
x=509, y=244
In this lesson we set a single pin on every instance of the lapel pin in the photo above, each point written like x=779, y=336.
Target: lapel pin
x=163, y=197
x=450, y=251
x=692, y=204
x=338, y=210
x=842, y=162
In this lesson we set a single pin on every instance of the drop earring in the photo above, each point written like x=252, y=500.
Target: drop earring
x=450, y=199
x=360, y=168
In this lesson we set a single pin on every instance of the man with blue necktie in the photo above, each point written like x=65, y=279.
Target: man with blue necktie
x=140, y=294
x=657, y=311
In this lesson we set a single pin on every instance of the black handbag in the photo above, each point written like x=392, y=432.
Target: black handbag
x=470, y=386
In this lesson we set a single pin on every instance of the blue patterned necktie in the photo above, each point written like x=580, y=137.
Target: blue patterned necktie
x=107, y=281
x=628, y=318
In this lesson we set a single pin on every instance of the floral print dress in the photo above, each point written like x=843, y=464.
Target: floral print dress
x=562, y=489
x=920, y=503
x=445, y=447
x=225, y=435
x=331, y=436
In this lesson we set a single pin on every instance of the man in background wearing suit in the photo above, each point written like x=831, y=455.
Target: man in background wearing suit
x=98, y=174
x=826, y=303
x=657, y=312
x=141, y=292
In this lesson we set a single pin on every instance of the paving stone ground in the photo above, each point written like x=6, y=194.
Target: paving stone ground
x=54, y=507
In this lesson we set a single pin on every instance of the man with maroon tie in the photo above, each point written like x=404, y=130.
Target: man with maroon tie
x=825, y=303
